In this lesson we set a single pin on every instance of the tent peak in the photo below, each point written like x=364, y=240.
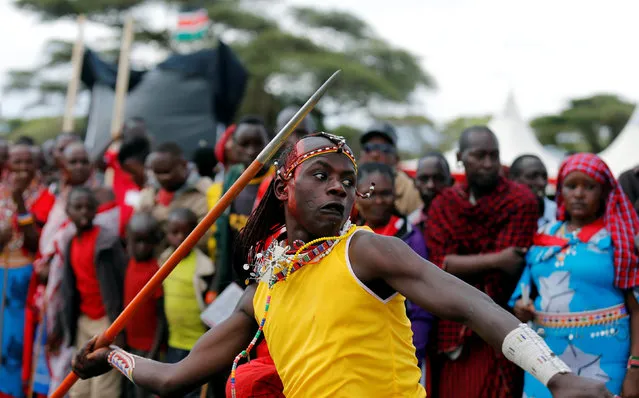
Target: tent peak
x=511, y=110
x=634, y=118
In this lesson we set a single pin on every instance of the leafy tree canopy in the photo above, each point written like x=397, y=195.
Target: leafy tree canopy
x=589, y=117
x=285, y=64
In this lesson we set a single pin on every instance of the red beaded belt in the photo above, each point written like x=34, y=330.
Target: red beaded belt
x=580, y=319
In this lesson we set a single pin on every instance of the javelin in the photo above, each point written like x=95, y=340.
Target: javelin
x=262, y=159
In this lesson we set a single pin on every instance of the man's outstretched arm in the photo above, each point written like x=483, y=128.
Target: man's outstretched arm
x=213, y=352
x=376, y=257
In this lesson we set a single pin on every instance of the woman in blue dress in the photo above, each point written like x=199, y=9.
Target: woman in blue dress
x=583, y=273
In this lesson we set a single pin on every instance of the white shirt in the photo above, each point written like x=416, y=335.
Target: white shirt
x=550, y=213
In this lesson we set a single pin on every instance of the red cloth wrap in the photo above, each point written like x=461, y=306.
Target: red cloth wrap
x=221, y=143
x=505, y=218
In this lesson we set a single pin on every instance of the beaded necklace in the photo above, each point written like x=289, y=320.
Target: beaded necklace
x=8, y=209
x=275, y=264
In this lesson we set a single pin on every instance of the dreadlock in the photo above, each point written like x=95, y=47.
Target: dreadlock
x=268, y=217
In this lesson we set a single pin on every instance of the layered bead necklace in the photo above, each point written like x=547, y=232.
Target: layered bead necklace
x=279, y=261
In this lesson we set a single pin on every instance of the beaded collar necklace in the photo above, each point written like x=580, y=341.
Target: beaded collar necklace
x=275, y=264
x=280, y=260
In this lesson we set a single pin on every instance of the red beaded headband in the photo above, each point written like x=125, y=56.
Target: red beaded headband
x=340, y=147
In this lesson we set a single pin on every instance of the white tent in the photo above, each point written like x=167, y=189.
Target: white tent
x=621, y=154
x=517, y=138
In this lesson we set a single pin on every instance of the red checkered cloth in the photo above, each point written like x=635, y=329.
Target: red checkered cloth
x=620, y=219
x=505, y=218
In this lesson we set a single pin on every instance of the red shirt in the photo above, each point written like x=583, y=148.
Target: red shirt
x=122, y=181
x=394, y=225
x=141, y=333
x=82, y=258
x=42, y=206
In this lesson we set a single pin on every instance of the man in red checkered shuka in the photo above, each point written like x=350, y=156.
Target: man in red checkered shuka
x=479, y=231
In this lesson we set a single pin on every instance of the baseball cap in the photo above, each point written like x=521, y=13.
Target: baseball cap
x=384, y=130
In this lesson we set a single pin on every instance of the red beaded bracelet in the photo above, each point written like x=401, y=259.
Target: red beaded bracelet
x=633, y=362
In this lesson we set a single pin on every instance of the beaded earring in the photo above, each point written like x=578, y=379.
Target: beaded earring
x=276, y=164
x=367, y=194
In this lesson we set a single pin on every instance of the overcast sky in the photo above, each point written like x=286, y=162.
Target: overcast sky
x=546, y=51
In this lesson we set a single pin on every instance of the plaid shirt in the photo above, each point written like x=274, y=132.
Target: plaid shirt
x=506, y=218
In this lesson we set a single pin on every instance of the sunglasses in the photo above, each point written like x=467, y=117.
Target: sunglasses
x=384, y=148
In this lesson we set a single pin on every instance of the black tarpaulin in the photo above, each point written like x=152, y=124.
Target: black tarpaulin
x=182, y=99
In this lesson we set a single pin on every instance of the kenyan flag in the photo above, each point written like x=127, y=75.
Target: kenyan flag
x=193, y=24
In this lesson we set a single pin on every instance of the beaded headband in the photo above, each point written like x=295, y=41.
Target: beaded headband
x=340, y=147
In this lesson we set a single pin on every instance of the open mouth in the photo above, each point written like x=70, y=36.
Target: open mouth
x=333, y=208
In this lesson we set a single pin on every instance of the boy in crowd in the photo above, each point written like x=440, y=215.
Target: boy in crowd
x=146, y=336
x=92, y=285
x=185, y=288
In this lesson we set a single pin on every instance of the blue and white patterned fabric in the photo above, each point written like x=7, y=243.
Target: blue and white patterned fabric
x=15, y=298
x=579, y=312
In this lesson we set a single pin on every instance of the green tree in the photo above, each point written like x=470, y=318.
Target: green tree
x=452, y=129
x=285, y=65
x=41, y=129
x=588, y=116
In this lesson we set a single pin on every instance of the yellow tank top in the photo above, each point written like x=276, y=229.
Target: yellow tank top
x=181, y=307
x=330, y=336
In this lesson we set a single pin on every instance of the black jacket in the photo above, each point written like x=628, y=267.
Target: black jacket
x=110, y=265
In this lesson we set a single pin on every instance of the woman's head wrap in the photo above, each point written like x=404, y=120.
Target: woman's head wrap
x=620, y=218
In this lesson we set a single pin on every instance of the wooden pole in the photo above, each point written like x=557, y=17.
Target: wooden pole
x=121, y=87
x=37, y=350
x=122, y=83
x=72, y=88
x=169, y=265
x=204, y=391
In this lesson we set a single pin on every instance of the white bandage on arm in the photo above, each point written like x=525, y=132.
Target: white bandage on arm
x=123, y=361
x=529, y=351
